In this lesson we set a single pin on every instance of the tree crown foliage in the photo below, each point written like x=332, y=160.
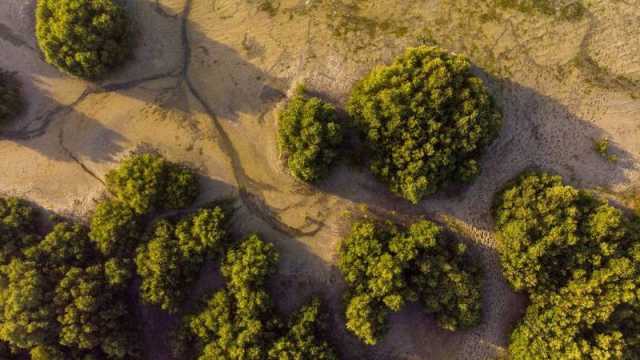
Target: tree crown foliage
x=169, y=262
x=579, y=259
x=426, y=119
x=308, y=135
x=239, y=321
x=85, y=38
x=385, y=267
x=59, y=299
x=148, y=182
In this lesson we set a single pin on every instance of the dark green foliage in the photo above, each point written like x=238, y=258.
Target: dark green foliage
x=114, y=229
x=303, y=340
x=579, y=259
x=85, y=38
x=426, y=119
x=11, y=102
x=17, y=227
x=385, y=267
x=58, y=298
x=92, y=313
x=549, y=233
x=238, y=322
x=148, y=183
x=308, y=136
x=170, y=261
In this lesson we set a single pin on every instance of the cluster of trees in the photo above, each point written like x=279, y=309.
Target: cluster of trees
x=579, y=260
x=59, y=298
x=386, y=266
x=85, y=38
x=426, y=119
x=308, y=135
x=240, y=322
x=11, y=102
x=63, y=292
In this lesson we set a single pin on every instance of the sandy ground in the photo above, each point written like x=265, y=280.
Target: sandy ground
x=208, y=77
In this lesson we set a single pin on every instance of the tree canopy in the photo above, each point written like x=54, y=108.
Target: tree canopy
x=149, y=182
x=385, y=267
x=85, y=38
x=59, y=298
x=579, y=260
x=11, y=102
x=169, y=262
x=308, y=135
x=239, y=321
x=426, y=119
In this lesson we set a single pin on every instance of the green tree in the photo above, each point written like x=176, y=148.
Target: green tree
x=148, y=183
x=114, y=229
x=304, y=338
x=426, y=119
x=579, y=260
x=543, y=224
x=17, y=228
x=385, y=267
x=170, y=261
x=92, y=314
x=85, y=38
x=308, y=135
x=239, y=321
x=11, y=102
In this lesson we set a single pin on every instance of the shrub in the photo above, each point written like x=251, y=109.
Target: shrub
x=170, y=261
x=602, y=148
x=385, y=267
x=148, y=183
x=114, y=229
x=85, y=38
x=239, y=321
x=11, y=102
x=308, y=136
x=426, y=119
x=579, y=259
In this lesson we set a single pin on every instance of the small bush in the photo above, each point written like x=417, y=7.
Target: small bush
x=386, y=267
x=11, y=103
x=426, y=119
x=170, y=261
x=148, y=183
x=602, y=148
x=579, y=260
x=85, y=38
x=308, y=136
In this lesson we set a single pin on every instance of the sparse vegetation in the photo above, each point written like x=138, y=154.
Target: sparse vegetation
x=426, y=119
x=148, y=183
x=308, y=135
x=579, y=260
x=386, y=267
x=11, y=102
x=85, y=38
x=170, y=261
x=601, y=146
x=238, y=322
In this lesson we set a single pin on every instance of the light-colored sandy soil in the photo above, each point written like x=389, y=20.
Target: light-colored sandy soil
x=207, y=79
